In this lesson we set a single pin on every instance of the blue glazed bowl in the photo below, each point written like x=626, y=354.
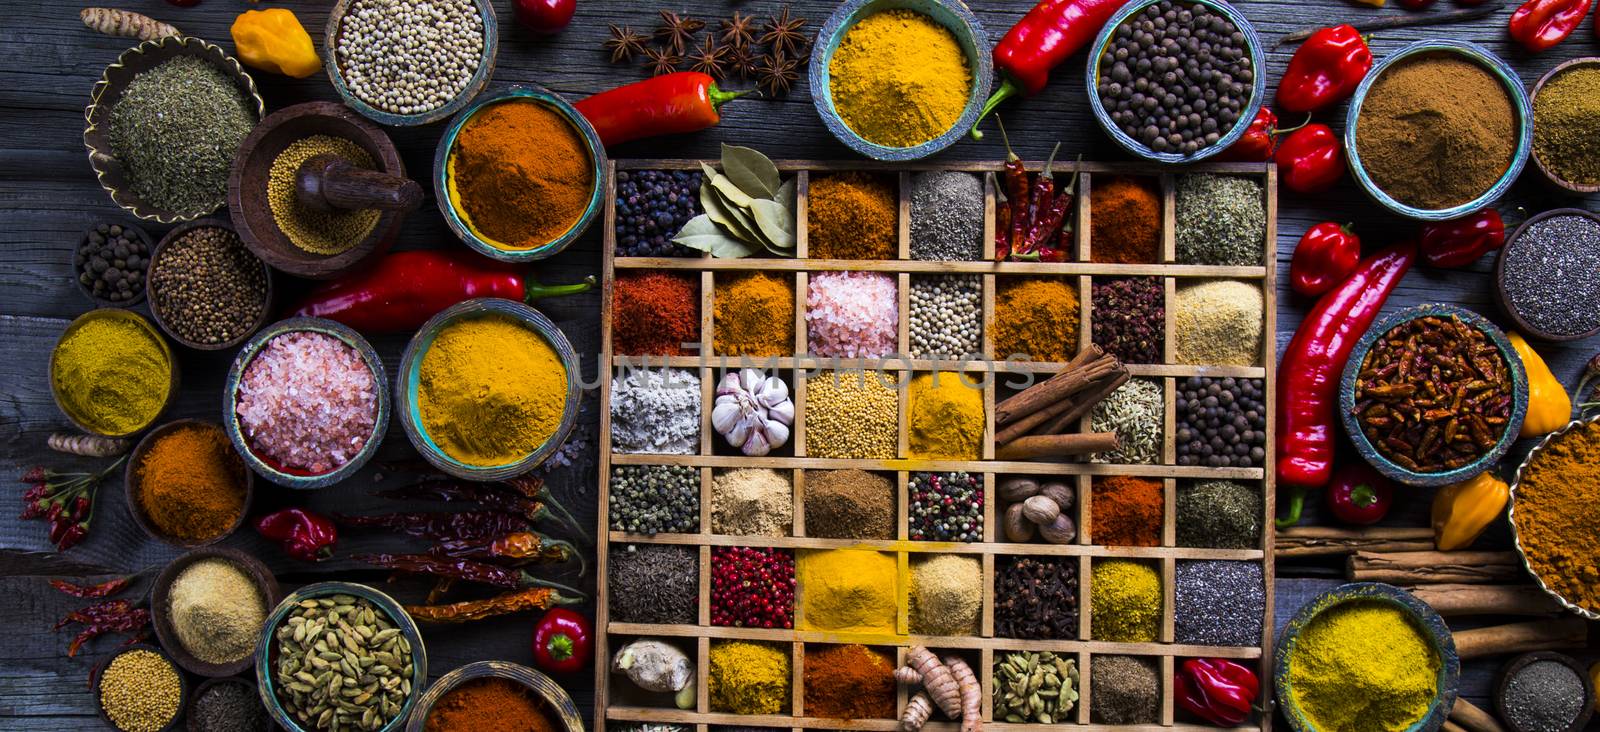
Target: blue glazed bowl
x=453, y=216
x=558, y=702
x=409, y=384
x=480, y=78
x=271, y=469
x=1258, y=86
x=1422, y=616
x=951, y=14
x=267, y=656
x=1519, y=100
x=1347, y=397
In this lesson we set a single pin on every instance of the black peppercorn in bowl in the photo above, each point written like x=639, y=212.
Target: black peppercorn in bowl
x=1191, y=120
x=1440, y=425
x=109, y=255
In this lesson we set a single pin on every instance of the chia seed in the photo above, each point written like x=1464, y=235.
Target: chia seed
x=946, y=316
x=1219, y=603
x=1552, y=275
x=651, y=499
x=1221, y=220
x=945, y=507
x=1545, y=696
x=652, y=206
x=946, y=216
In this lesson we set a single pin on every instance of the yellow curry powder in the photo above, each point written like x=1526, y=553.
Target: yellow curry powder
x=491, y=391
x=748, y=678
x=1363, y=666
x=899, y=78
x=1557, y=524
x=848, y=590
x=946, y=418
x=112, y=375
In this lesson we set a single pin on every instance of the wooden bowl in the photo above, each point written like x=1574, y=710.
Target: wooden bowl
x=131, y=316
x=1588, y=613
x=150, y=249
x=200, y=692
x=1501, y=295
x=131, y=483
x=155, y=310
x=557, y=703
x=161, y=598
x=1516, y=665
x=480, y=78
x=247, y=187
x=183, y=685
x=1556, y=181
x=96, y=134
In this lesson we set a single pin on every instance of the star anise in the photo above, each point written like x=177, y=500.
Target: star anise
x=743, y=62
x=676, y=32
x=785, y=35
x=777, y=74
x=738, y=31
x=661, y=61
x=710, y=59
x=624, y=43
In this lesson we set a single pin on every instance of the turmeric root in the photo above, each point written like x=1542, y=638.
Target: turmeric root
x=941, y=685
x=125, y=23
x=88, y=445
x=907, y=675
x=917, y=711
x=971, y=693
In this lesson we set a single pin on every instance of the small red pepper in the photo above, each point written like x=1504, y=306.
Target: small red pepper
x=1260, y=140
x=1460, y=242
x=404, y=289
x=1049, y=34
x=1359, y=495
x=1220, y=691
x=1326, y=255
x=683, y=101
x=1325, y=70
x=562, y=641
x=303, y=535
x=1541, y=24
x=1311, y=160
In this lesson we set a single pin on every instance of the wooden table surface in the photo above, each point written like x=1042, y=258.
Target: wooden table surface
x=48, y=196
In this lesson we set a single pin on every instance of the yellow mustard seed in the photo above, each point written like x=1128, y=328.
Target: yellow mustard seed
x=316, y=231
x=140, y=691
x=853, y=415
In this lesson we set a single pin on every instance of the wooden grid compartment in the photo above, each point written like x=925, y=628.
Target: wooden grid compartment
x=615, y=706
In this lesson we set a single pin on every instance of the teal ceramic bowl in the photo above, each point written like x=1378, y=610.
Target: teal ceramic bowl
x=1519, y=102
x=952, y=14
x=558, y=704
x=408, y=385
x=267, y=654
x=271, y=469
x=1258, y=84
x=1347, y=397
x=1590, y=613
x=1422, y=617
x=443, y=191
x=480, y=78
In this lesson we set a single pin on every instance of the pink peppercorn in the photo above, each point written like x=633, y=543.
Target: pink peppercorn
x=752, y=587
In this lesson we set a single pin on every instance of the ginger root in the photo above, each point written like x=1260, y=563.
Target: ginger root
x=907, y=675
x=937, y=679
x=971, y=693
x=125, y=23
x=917, y=711
x=88, y=445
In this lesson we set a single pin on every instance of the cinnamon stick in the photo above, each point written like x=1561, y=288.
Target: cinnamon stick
x=1320, y=541
x=1537, y=635
x=1469, y=717
x=1070, y=381
x=1046, y=446
x=1026, y=424
x=1458, y=600
x=1450, y=726
x=1424, y=568
x=1084, y=403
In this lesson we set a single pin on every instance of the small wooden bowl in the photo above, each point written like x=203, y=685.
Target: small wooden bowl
x=1516, y=665
x=96, y=135
x=247, y=187
x=131, y=484
x=200, y=693
x=161, y=597
x=558, y=705
x=150, y=250
x=1500, y=293
x=183, y=685
x=172, y=361
x=480, y=78
x=155, y=310
x=1557, y=182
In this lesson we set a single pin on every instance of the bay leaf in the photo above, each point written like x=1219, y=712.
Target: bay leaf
x=730, y=191
x=737, y=220
x=717, y=209
x=753, y=172
x=703, y=234
x=786, y=196
x=775, y=221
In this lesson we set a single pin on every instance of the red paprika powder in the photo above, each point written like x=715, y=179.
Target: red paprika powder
x=848, y=682
x=654, y=314
x=1124, y=220
x=1126, y=511
x=489, y=705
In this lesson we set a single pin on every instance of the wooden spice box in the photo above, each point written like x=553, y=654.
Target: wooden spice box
x=612, y=690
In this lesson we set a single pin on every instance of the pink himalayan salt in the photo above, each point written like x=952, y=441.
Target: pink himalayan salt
x=852, y=314
x=308, y=401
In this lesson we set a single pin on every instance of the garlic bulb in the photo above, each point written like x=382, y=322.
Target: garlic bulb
x=753, y=411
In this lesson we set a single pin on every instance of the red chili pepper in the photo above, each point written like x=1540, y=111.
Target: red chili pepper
x=1327, y=253
x=1048, y=35
x=684, y=101
x=562, y=641
x=1220, y=691
x=304, y=535
x=104, y=589
x=1359, y=495
x=1016, y=180
x=1540, y=24
x=1325, y=70
x=1311, y=159
x=1309, y=372
x=1460, y=242
x=404, y=289
x=1259, y=142
x=442, y=525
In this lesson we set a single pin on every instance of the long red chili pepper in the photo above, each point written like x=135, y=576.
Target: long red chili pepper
x=1540, y=24
x=684, y=101
x=1016, y=180
x=538, y=505
x=441, y=525
x=402, y=290
x=1040, y=194
x=1308, y=375
x=104, y=589
x=1325, y=70
x=465, y=570
x=1048, y=35
x=1460, y=242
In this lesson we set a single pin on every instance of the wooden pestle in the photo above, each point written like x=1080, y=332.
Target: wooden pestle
x=330, y=183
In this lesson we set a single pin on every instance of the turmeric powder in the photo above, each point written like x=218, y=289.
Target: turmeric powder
x=946, y=418
x=848, y=590
x=899, y=78
x=1362, y=666
x=491, y=391
x=1556, y=522
x=748, y=678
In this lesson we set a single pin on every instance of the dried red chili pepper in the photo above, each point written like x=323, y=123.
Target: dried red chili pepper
x=1460, y=242
x=1220, y=691
x=306, y=536
x=520, y=547
x=1046, y=36
x=498, y=497
x=1311, y=160
x=106, y=616
x=104, y=589
x=1016, y=180
x=465, y=570
x=441, y=525
x=1325, y=70
x=683, y=101
x=1540, y=24
x=1327, y=253
x=532, y=598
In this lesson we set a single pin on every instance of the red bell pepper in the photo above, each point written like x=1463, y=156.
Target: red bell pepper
x=1311, y=160
x=683, y=101
x=1460, y=242
x=1326, y=255
x=1048, y=35
x=1359, y=495
x=1309, y=372
x=1540, y=24
x=562, y=641
x=303, y=535
x=1219, y=691
x=404, y=289
x=1325, y=70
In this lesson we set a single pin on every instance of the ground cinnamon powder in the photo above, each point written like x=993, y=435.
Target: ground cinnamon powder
x=1436, y=131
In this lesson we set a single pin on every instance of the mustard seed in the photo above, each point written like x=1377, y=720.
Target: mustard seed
x=140, y=691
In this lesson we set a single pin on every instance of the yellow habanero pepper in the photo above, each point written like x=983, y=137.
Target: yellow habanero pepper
x=273, y=40
x=1549, y=407
x=1461, y=511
